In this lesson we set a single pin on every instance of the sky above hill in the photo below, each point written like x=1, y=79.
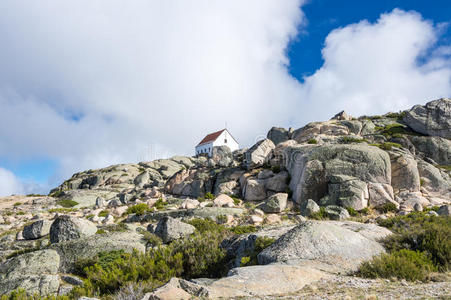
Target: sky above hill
x=89, y=83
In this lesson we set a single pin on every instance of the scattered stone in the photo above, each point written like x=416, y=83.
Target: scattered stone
x=189, y=204
x=275, y=203
x=36, y=230
x=223, y=200
x=272, y=219
x=444, y=210
x=309, y=207
x=259, y=154
x=337, y=213
x=256, y=220
x=169, y=229
x=66, y=228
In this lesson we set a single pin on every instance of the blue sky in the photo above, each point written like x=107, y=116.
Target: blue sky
x=114, y=83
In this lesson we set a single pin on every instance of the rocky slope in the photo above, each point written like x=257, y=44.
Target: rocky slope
x=398, y=162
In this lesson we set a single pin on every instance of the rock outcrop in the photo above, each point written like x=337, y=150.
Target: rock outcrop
x=434, y=118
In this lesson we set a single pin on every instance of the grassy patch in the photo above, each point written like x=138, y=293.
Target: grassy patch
x=138, y=209
x=103, y=213
x=209, y=196
x=350, y=140
x=67, y=203
x=312, y=141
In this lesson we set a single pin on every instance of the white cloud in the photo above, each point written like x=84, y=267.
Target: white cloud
x=98, y=82
x=91, y=83
x=375, y=68
x=9, y=184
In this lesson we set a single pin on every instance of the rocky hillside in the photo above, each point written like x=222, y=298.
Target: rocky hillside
x=298, y=210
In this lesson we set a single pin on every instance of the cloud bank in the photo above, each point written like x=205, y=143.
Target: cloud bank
x=389, y=65
x=89, y=84
x=9, y=184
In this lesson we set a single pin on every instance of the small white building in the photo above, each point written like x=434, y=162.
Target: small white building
x=219, y=138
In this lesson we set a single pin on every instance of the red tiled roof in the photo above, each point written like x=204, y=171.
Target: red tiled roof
x=211, y=137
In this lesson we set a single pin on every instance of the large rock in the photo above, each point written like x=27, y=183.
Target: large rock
x=275, y=203
x=278, y=135
x=36, y=230
x=433, y=119
x=380, y=194
x=254, y=190
x=192, y=183
x=444, y=210
x=436, y=148
x=259, y=154
x=434, y=181
x=277, y=183
x=35, y=272
x=347, y=192
x=324, y=244
x=87, y=247
x=260, y=281
x=404, y=171
x=313, y=168
x=169, y=229
x=66, y=228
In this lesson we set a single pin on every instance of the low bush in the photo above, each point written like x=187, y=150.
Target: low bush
x=261, y=243
x=312, y=141
x=387, y=207
x=151, y=239
x=389, y=146
x=159, y=204
x=402, y=264
x=352, y=212
x=319, y=215
x=209, y=196
x=350, y=140
x=138, y=209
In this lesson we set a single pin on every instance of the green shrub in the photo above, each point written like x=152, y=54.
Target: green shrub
x=138, y=209
x=352, y=212
x=67, y=203
x=398, y=116
x=387, y=207
x=444, y=167
x=103, y=213
x=159, y=204
x=17, y=204
x=319, y=215
x=261, y=243
x=350, y=140
x=209, y=196
x=421, y=232
x=236, y=200
x=364, y=211
x=101, y=231
x=207, y=225
x=312, y=141
x=21, y=294
x=243, y=229
x=402, y=264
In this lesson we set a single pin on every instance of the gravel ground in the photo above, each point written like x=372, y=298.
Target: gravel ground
x=347, y=287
